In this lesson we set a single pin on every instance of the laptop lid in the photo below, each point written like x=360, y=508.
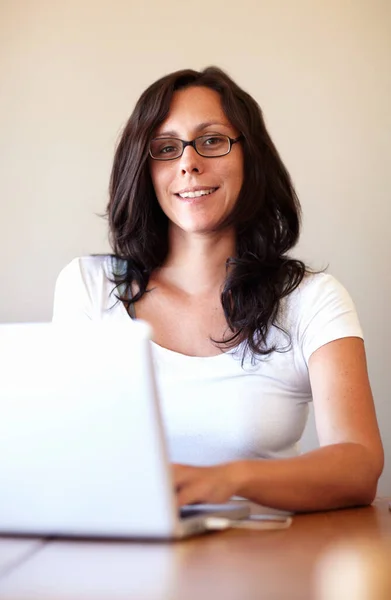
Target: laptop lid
x=82, y=449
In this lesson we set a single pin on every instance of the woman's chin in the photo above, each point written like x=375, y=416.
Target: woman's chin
x=199, y=226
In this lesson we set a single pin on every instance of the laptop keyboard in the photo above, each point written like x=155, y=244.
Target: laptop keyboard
x=190, y=511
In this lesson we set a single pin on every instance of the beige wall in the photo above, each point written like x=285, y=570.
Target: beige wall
x=321, y=69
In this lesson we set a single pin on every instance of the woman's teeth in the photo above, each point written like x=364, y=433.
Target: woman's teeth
x=197, y=194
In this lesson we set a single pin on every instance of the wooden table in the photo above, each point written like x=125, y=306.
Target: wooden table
x=229, y=565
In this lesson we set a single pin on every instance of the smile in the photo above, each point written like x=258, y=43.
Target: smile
x=197, y=193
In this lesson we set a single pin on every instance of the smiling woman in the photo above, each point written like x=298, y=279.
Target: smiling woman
x=202, y=216
x=197, y=194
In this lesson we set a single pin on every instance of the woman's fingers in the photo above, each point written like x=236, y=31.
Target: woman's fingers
x=201, y=484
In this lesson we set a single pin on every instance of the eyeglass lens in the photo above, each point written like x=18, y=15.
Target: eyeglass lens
x=206, y=145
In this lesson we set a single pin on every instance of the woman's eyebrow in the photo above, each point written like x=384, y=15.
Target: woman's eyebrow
x=198, y=128
x=207, y=124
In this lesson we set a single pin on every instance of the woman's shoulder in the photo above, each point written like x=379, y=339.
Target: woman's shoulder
x=319, y=286
x=320, y=310
x=92, y=270
x=317, y=293
x=86, y=283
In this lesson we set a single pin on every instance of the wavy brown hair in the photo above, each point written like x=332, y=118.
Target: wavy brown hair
x=266, y=216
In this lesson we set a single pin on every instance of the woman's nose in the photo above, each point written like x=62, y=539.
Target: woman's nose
x=190, y=161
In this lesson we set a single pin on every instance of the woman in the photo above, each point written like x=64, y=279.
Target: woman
x=202, y=214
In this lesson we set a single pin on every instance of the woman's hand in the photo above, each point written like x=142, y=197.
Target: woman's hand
x=205, y=484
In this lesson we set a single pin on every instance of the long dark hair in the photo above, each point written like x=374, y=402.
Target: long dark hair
x=266, y=216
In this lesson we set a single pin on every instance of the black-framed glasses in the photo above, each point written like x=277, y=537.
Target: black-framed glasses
x=209, y=146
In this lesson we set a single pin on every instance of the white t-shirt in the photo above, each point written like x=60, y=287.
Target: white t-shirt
x=215, y=410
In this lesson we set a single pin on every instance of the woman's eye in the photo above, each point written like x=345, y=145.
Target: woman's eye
x=167, y=149
x=213, y=140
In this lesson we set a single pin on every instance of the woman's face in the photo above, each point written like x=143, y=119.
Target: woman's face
x=197, y=111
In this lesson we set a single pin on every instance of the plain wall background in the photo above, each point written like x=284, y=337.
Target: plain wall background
x=320, y=69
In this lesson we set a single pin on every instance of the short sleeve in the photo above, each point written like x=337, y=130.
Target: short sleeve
x=326, y=313
x=72, y=299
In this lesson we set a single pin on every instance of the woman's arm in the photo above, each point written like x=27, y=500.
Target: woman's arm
x=343, y=472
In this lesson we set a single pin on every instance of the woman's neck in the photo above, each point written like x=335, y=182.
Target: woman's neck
x=196, y=263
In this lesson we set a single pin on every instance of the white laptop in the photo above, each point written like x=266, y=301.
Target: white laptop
x=82, y=448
